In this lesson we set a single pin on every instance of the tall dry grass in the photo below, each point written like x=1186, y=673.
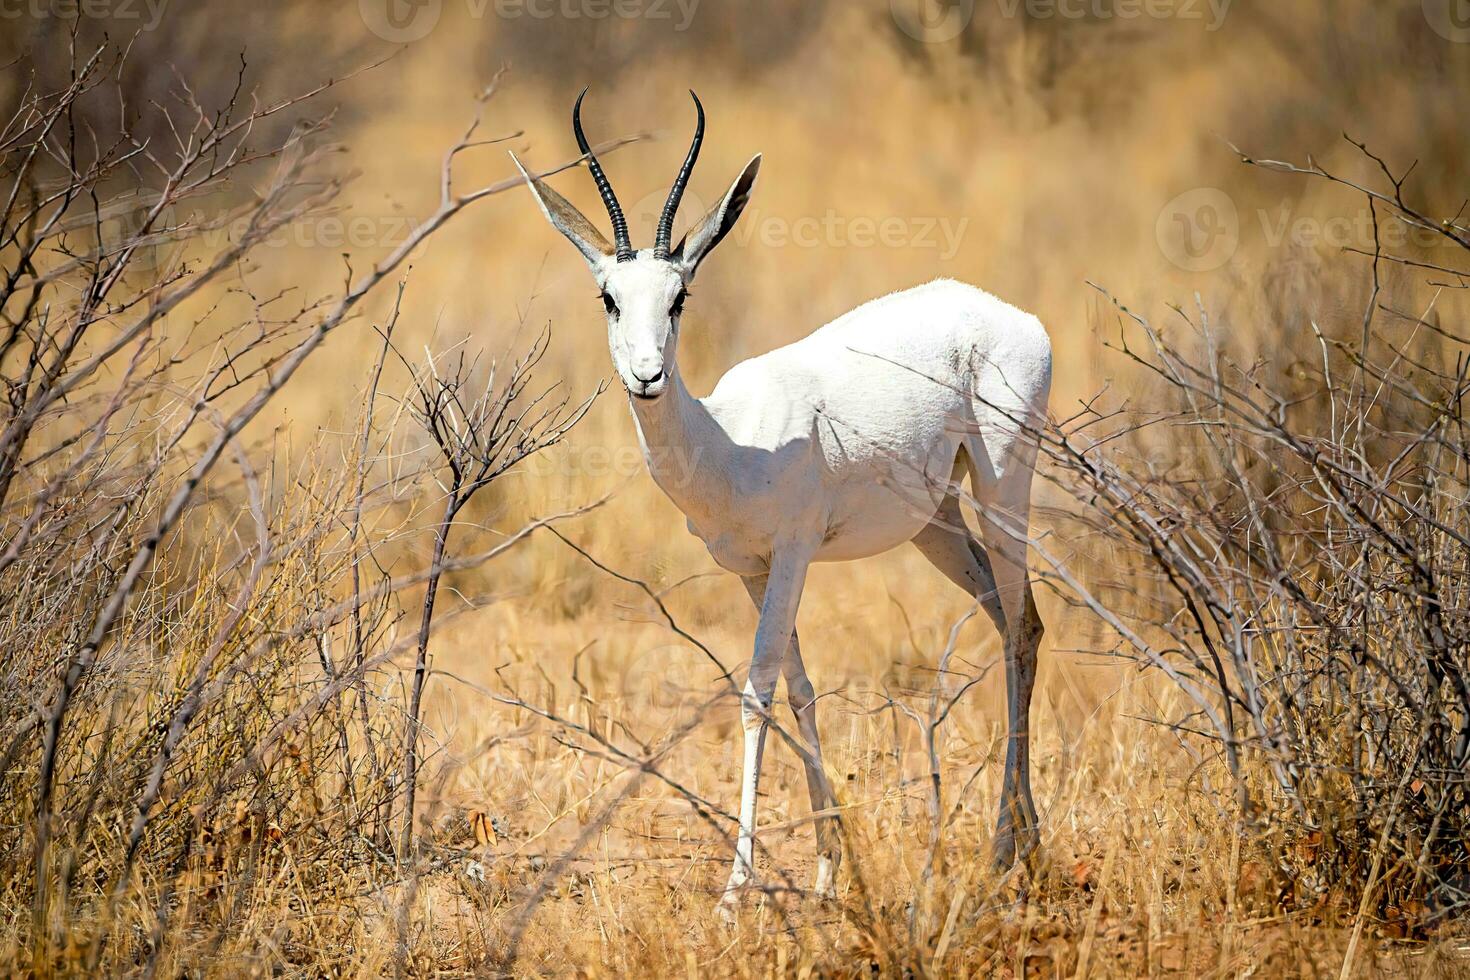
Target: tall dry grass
x=196, y=663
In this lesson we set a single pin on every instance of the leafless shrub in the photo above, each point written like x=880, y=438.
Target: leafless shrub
x=1295, y=560
x=479, y=431
x=192, y=698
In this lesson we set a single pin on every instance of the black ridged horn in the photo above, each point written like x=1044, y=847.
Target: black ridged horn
x=661, y=244
x=604, y=187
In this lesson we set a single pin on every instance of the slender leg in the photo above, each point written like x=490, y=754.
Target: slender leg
x=952, y=549
x=772, y=638
x=1004, y=527
x=803, y=698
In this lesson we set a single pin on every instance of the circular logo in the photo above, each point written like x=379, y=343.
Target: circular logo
x=666, y=671
x=120, y=226
x=1199, y=230
x=646, y=211
x=400, y=21
x=932, y=21
x=1450, y=19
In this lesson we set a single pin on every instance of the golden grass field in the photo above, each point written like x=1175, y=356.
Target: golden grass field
x=1032, y=155
x=1141, y=876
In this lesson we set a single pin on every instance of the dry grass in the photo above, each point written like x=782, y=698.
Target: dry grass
x=1139, y=870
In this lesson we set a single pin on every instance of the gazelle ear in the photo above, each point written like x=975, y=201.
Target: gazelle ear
x=565, y=218
x=714, y=226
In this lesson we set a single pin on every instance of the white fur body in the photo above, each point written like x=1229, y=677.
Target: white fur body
x=841, y=445
x=849, y=436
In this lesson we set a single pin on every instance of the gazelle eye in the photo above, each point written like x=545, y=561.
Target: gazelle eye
x=609, y=305
x=678, y=306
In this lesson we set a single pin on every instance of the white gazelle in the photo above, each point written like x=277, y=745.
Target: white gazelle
x=842, y=445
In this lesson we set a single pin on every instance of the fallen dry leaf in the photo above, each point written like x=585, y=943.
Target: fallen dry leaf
x=483, y=828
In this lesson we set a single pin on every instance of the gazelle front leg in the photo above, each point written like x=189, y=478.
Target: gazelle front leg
x=803, y=700
x=784, y=582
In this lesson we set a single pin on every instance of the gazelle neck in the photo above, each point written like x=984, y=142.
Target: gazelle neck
x=680, y=440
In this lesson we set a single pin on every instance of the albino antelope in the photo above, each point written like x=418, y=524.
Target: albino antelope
x=842, y=445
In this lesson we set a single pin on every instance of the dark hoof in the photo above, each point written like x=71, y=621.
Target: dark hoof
x=1013, y=845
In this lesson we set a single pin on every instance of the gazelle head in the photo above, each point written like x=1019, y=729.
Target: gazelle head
x=643, y=291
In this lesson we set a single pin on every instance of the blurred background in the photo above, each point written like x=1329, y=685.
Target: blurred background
x=1027, y=146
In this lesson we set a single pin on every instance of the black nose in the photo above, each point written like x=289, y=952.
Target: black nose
x=650, y=381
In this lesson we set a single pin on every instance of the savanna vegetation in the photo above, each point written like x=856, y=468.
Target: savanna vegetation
x=344, y=634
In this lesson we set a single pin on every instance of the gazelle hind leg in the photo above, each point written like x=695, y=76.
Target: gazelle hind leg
x=1005, y=506
x=803, y=698
x=951, y=548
